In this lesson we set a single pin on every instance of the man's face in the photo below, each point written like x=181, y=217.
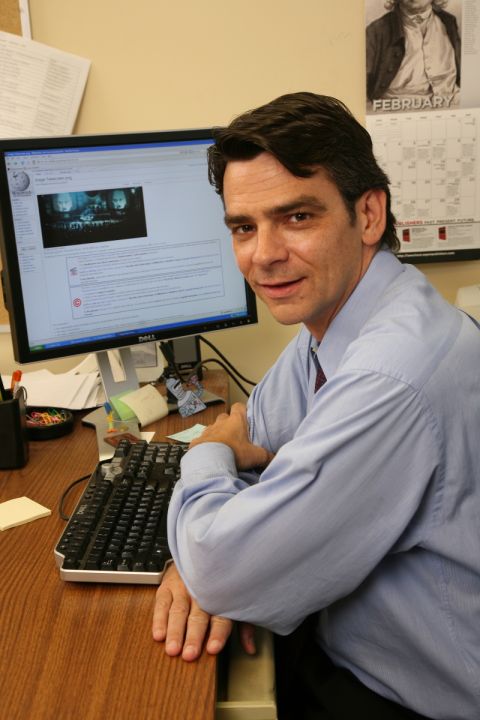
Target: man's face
x=412, y=7
x=119, y=200
x=64, y=202
x=294, y=241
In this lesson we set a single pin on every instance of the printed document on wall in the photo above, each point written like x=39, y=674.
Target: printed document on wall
x=41, y=88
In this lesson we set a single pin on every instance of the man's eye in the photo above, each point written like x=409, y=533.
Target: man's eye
x=242, y=229
x=299, y=217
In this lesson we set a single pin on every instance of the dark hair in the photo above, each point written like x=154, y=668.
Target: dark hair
x=437, y=4
x=305, y=131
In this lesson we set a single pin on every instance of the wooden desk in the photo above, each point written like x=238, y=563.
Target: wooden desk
x=82, y=651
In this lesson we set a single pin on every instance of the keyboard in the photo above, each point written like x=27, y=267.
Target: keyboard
x=118, y=530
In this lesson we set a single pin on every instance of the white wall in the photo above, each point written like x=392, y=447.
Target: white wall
x=161, y=65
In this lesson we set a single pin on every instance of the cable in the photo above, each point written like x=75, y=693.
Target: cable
x=64, y=496
x=168, y=354
x=219, y=362
x=211, y=345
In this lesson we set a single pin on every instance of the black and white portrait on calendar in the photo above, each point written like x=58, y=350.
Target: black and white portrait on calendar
x=414, y=54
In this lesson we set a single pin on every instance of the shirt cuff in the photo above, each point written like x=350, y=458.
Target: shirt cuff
x=211, y=459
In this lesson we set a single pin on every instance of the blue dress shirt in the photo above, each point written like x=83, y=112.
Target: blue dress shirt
x=370, y=510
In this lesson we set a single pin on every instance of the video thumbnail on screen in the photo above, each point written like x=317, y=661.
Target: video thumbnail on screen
x=74, y=218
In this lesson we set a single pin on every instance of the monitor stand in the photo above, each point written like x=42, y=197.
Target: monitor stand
x=98, y=418
x=113, y=387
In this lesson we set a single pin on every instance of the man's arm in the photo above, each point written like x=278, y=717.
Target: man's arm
x=232, y=430
x=178, y=619
x=184, y=626
x=327, y=509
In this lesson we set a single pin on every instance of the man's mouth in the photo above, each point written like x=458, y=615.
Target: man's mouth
x=277, y=289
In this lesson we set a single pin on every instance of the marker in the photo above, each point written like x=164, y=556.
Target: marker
x=15, y=383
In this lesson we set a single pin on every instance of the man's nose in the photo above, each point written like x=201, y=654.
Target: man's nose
x=270, y=246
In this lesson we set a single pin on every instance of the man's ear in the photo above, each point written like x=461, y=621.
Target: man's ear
x=372, y=214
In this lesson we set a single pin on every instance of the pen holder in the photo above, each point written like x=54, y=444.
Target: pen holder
x=13, y=431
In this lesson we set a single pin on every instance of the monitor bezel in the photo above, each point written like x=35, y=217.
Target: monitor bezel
x=12, y=289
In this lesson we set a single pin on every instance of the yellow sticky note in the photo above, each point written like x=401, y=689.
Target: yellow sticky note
x=20, y=511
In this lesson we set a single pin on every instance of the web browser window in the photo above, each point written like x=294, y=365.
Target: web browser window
x=119, y=239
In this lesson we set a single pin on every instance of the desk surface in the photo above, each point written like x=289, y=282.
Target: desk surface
x=79, y=650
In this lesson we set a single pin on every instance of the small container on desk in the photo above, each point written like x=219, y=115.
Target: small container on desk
x=13, y=430
x=48, y=423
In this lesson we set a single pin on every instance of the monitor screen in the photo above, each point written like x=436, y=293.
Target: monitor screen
x=110, y=241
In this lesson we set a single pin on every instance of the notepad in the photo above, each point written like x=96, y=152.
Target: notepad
x=20, y=511
x=147, y=404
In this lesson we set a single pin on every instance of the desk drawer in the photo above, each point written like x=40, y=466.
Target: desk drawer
x=249, y=692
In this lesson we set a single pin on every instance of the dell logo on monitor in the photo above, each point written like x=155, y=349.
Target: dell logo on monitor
x=146, y=338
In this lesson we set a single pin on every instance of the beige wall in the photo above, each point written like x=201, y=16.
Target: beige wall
x=161, y=65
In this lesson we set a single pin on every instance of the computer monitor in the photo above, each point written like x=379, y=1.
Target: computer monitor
x=110, y=241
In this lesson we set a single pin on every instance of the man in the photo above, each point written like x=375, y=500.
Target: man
x=119, y=200
x=413, y=57
x=348, y=490
x=63, y=203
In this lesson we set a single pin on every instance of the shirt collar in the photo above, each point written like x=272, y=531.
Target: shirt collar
x=417, y=19
x=346, y=326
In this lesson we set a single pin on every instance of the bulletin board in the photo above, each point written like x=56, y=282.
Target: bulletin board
x=9, y=22
x=10, y=17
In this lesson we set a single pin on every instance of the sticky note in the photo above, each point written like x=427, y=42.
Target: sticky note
x=20, y=511
x=186, y=436
x=123, y=411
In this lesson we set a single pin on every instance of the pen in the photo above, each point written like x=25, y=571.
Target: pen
x=2, y=389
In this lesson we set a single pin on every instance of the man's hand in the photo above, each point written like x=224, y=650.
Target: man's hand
x=232, y=430
x=183, y=625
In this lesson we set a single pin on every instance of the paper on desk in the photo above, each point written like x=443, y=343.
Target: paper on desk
x=90, y=364
x=41, y=88
x=46, y=389
x=20, y=511
x=186, y=436
x=87, y=365
x=144, y=374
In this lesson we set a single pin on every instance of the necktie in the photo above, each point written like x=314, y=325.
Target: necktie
x=320, y=378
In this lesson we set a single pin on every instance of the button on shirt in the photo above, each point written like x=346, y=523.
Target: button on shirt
x=369, y=510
